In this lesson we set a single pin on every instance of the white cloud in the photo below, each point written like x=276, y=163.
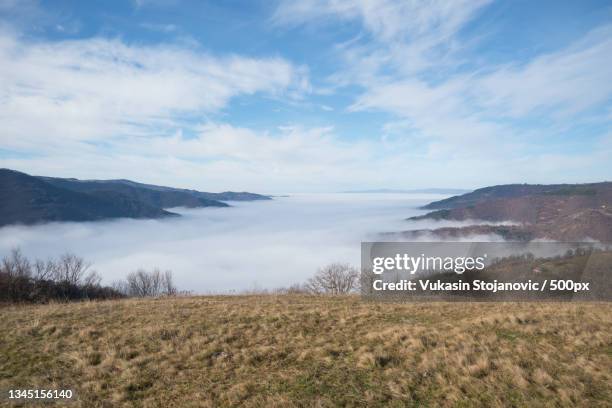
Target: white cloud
x=218, y=157
x=101, y=108
x=401, y=36
x=96, y=89
x=154, y=3
x=165, y=28
x=412, y=38
x=386, y=19
x=271, y=243
x=292, y=159
x=406, y=64
x=570, y=80
x=468, y=107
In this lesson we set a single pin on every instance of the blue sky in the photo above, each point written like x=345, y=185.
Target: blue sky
x=314, y=95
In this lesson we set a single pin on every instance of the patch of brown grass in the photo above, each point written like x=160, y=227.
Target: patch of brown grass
x=311, y=351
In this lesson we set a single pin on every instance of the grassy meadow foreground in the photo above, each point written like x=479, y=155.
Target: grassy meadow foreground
x=311, y=351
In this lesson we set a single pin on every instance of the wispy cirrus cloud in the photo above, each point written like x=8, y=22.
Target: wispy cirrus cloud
x=568, y=81
x=386, y=20
x=418, y=36
x=164, y=28
x=413, y=61
x=397, y=36
x=497, y=103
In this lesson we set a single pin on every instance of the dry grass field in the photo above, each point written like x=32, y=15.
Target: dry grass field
x=306, y=351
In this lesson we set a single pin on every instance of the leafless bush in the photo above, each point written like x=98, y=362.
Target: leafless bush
x=44, y=270
x=15, y=272
x=121, y=286
x=16, y=265
x=67, y=278
x=366, y=281
x=92, y=279
x=167, y=284
x=147, y=284
x=70, y=269
x=141, y=284
x=334, y=279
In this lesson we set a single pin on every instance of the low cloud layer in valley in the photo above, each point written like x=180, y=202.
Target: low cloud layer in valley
x=249, y=245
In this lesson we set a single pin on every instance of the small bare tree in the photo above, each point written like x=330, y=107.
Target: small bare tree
x=67, y=278
x=366, y=282
x=145, y=284
x=92, y=279
x=121, y=286
x=141, y=284
x=168, y=287
x=45, y=270
x=70, y=269
x=334, y=279
x=16, y=265
x=16, y=271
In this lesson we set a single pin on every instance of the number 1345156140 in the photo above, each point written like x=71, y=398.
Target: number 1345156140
x=39, y=394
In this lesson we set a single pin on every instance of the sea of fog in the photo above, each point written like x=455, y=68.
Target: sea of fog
x=250, y=245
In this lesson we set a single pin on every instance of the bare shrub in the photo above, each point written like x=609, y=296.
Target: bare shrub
x=167, y=283
x=44, y=270
x=92, y=279
x=366, y=281
x=15, y=271
x=121, y=286
x=149, y=284
x=70, y=269
x=67, y=278
x=334, y=279
x=16, y=265
x=140, y=284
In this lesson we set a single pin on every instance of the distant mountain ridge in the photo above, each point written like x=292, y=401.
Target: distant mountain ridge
x=564, y=212
x=26, y=199
x=512, y=191
x=224, y=196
